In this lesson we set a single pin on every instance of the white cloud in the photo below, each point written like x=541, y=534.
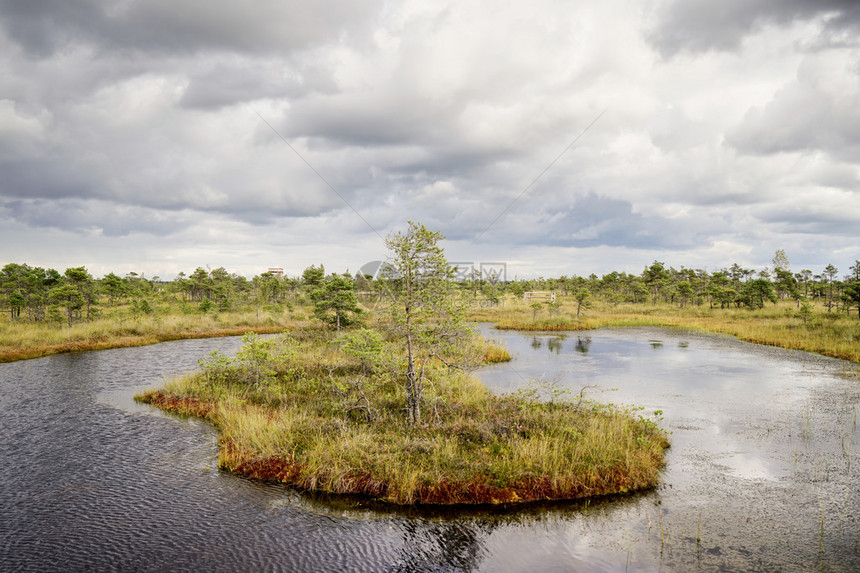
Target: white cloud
x=728, y=131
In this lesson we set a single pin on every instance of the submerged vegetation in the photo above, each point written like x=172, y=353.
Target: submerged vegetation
x=306, y=410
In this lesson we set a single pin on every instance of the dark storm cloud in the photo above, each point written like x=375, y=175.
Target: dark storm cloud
x=90, y=216
x=357, y=120
x=591, y=220
x=417, y=139
x=58, y=192
x=702, y=25
x=43, y=27
x=810, y=221
x=391, y=114
x=802, y=117
x=47, y=179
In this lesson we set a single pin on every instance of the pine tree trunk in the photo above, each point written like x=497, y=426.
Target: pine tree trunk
x=413, y=399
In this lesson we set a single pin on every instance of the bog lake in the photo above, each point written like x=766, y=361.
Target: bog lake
x=762, y=474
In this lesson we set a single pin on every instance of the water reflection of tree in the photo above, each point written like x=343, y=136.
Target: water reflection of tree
x=582, y=344
x=462, y=543
x=536, y=342
x=554, y=344
x=443, y=546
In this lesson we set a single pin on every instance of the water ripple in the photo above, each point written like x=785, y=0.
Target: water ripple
x=92, y=481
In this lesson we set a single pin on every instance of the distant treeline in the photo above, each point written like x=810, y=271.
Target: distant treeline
x=35, y=294
x=730, y=287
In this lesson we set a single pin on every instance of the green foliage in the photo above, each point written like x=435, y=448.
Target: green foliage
x=516, y=288
x=16, y=302
x=365, y=345
x=218, y=287
x=805, y=310
x=583, y=300
x=335, y=302
x=313, y=276
x=115, y=287
x=256, y=366
x=542, y=391
x=755, y=292
x=267, y=291
x=141, y=306
x=24, y=289
x=216, y=367
x=650, y=426
x=655, y=278
x=536, y=308
x=851, y=296
x=76, y=293
x=26, y=294
x=260, y=360
x=66, y=296
x=425, y=315
x=785, y=283
x=684, y=291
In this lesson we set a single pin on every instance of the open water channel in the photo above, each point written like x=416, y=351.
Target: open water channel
x=762, y=474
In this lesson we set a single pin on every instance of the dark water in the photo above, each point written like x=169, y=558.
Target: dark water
x=765, y=451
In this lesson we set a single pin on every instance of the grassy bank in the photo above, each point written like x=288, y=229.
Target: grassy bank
x=297, y=410
x=829, y=334
x=22, y=340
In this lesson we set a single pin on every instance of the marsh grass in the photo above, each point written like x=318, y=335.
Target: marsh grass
x=829, y=334
x=31, y=340
x=492, y=352
x=307, y=425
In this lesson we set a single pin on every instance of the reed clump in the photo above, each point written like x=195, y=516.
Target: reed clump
x=298, y=411
x=492, y=352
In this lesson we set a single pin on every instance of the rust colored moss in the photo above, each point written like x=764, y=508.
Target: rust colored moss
x=185, y=406
x=477, y=490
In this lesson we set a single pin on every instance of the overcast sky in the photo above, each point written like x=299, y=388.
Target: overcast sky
x=559, y=137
